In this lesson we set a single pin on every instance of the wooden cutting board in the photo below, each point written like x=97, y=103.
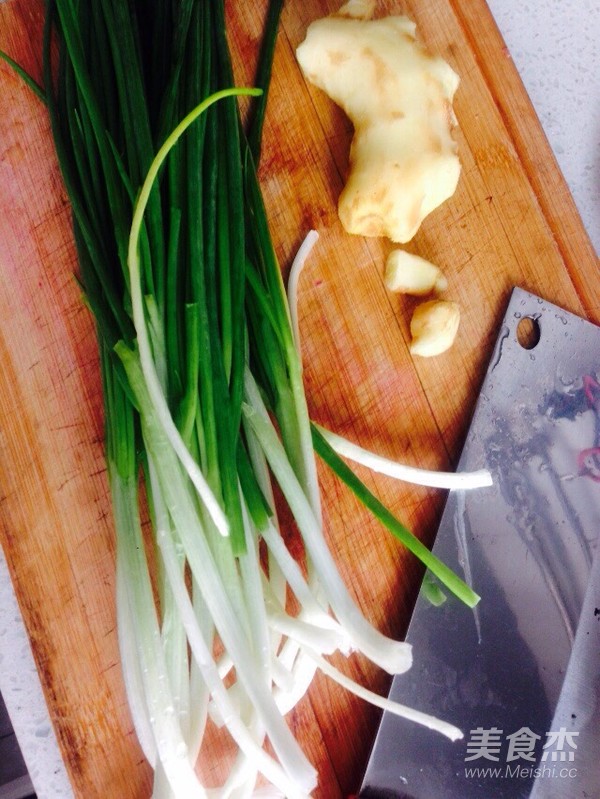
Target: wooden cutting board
x=512, y=221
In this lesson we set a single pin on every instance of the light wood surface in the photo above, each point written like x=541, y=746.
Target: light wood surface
x=511, y=221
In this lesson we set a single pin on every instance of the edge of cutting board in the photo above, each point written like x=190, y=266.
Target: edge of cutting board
x=81, y=679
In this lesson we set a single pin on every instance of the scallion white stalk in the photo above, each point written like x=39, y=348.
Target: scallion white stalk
x=170, y=744
x=426, y=720
x=393, y=656
x=327, y=641
x=463, y=481
x=199, y=693
x=303, y=670
x=130, y=663
x=203, y=656
x=294, y=279
x=293, y=574
x=251, y=573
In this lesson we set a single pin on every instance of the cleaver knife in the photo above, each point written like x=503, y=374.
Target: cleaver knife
x=520, y=674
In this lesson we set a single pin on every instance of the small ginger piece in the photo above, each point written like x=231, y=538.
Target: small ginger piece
x=433, y=327
x=406, y=273
x=403, y=159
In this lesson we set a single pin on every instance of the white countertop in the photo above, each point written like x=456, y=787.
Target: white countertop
x=555, y=45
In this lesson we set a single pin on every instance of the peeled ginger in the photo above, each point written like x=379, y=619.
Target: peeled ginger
x=406, y=273
x=433, y=327
x=403, y=159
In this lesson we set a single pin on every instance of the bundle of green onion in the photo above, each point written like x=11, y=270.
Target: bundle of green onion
x=204, y=400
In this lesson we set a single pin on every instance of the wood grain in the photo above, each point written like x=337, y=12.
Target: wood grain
x=511, y=221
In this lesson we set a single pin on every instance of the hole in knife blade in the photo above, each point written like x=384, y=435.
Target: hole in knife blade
x=528, y=332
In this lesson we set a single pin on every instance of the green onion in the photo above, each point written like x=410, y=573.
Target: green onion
x=25, y=76
x=203, y=394
x=444, y=574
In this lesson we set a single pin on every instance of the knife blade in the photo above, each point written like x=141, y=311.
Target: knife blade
x=520, y=675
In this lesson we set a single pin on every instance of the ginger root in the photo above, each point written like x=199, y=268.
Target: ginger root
x=403, y=159
x=410, y=274
x=433, y=327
